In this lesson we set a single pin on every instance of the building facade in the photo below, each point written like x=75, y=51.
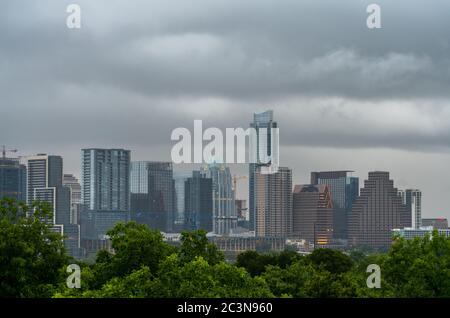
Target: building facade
x=312, y=214
x=161, y=189
x=13, y=178
x=260, y=120
x=344, y=189
x=376, y=212
x=436, y=223
x=224, y=209
x=412, y=199
x=105, y=184
x=45, y=184
x=199, y=202
x=180, y=178
x=106, y=179
x=273, y=203
x=71, y=182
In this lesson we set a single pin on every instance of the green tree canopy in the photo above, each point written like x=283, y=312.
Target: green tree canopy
x=32, y=256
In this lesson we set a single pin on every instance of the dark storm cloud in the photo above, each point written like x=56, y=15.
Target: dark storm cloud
x=136, y=71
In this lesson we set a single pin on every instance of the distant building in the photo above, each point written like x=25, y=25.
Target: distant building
x=273, y=203
x=180, y=178
x=139, y=195
x=13, y=179
x=436, y=223
x=153, y=194
x=411, y=233
x=106, y=179
x=71, y=182
x=105, y=184
x=45, y=184
x=199, y=202
x=412, y=199
x=376, y=212
x=161, y=189
x=344, y=189
x=224, y=209
x=262, y=120
x=312, y=214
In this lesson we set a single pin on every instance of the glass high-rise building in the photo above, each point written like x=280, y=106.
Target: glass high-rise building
x=105, y=184
x=273, y=203
x=13, y=179
x=139, y=177
x=343, y=189
x=105, y=178
x=412, y=199
x=224, y=207
x=161, y=189
x=180, y=178
x=153, y=194
x=71, y=182
x=260, y=120
x=199, y=202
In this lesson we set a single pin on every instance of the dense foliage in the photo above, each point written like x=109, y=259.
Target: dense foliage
x=33, y=263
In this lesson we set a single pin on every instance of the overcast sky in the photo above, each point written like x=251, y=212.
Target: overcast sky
x=344, y=96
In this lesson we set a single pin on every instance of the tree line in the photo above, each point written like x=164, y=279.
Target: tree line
x=33, y=263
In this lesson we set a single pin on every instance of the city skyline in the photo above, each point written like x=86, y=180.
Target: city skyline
x=345, y=96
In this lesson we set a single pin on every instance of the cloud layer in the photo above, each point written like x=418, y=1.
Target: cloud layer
x=134, y=72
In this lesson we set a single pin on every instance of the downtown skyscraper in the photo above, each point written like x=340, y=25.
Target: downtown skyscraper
x=153, y=194
x=198, y=195
x=45, y=184
x=224, y=208
x=376, y=212
x=261, y=121
x=105, y=182
x=412, y=199
x=344, y=189
x=13, y=178
x=312, y=214
x=273, y=203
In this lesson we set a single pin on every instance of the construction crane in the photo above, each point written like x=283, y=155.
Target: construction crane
x=4, y=151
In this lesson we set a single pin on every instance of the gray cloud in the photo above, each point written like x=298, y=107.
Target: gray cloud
x=136, y=71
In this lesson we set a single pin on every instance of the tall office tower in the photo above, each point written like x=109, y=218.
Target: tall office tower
x=71, y=182
x=199, y=202
x=161, y=188
x=105, y=184
x=106, y=179
x=412, y=199
x=180, y=178
x=45, y=183
x=260, y=120
x=224, y=209
x=344, y=189
x=13, y=179
x=273, y=203
x=139, y=196
x=312, y=214
x=153, y=194
x=139, y=177
x=376, y=211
